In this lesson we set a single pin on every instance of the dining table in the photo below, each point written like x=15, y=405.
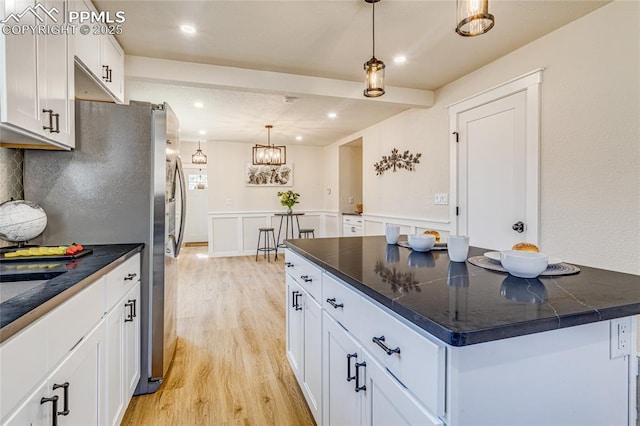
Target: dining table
x=289, y=226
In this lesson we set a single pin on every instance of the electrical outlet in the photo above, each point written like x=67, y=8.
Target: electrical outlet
x=228, y=202
x=620, y=337
x=441, y=199
x=351, y=200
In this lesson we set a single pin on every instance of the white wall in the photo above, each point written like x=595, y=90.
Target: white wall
x=590, y=141
x=227, y=165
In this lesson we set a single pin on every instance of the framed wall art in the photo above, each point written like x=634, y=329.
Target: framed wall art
x=269, y=175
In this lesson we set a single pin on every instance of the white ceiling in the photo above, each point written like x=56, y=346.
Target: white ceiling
x=319, y=38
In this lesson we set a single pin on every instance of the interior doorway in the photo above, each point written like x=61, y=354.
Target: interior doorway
x=196, y=227
x=495, y=164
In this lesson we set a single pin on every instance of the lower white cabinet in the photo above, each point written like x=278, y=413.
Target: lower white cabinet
x=341, y=404
x=123, y=356
x=69, y=395
x=80, y=363
x=304, y=334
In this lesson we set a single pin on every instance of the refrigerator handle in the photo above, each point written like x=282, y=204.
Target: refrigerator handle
x=183, y=200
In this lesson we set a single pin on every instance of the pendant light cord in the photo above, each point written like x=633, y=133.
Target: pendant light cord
x=373, y=26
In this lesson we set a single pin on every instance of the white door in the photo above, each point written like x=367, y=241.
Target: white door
x=196, y=229
x=495, y=160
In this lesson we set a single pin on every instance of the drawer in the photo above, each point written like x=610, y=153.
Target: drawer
x=412, y=358
x=304, y=273
x=71, y=321
x=352, y=220
x=341, y=303
x=122, y=279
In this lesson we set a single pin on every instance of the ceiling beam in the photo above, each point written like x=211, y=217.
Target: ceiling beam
x=221, y=77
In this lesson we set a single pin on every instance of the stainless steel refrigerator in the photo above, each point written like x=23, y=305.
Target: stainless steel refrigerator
x=124, y=183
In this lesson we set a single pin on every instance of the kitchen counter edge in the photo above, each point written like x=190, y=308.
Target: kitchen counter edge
x=23, y=321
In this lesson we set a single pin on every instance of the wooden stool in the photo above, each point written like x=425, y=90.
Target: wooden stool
x=268, y=246
x=307, y=233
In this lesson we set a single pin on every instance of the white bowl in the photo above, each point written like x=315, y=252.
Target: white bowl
x=421, y=242
x=524, y=264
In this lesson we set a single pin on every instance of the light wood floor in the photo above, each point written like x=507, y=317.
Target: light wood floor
x=230, y=365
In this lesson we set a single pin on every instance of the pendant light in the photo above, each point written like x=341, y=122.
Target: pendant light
x=374, y=68
x=269, y=155
x=473, y=17
x=199, y=157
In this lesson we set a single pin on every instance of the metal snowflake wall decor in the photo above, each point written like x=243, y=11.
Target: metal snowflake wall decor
x=397, y=161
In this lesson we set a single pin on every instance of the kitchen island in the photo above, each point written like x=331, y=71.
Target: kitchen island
x=498, y=349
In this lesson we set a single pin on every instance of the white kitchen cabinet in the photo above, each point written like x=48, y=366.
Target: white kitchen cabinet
x=36, y=83
x=99, y=55
x=304, y=336
x=387, y=401
x=69, y=395
x=341, y=404
x=352, y=226
x=91, y=341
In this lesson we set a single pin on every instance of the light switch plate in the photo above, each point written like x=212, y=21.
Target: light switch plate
x=441, y=199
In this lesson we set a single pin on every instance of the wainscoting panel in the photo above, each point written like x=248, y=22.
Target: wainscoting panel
x=225, y=237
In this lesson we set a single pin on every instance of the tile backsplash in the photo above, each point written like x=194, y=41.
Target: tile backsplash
x=10, y=177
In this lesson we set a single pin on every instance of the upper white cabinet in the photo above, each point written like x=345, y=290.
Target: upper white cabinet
x=99, y=55
x=36, y=82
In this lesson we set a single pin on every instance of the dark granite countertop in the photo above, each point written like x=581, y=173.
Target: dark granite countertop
x=462, y=304
x=64, y=278
x=351, y=214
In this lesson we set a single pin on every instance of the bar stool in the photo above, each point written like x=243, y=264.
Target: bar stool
x=307, y=233
x=268, y=246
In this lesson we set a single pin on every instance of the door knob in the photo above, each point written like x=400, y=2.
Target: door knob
x=518, y=227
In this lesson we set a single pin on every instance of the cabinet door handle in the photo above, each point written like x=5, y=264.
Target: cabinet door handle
x=293, y=298
x=129, y=277
x=65, y=398
x=380, y=342
x=131, y=305
x=288, y=264
x=57, y=130
x=298, y=307
x=349, y=356
x=50, y=127
x=54, y=408
x=333, y=303
x=306, y=278
x=105, y=73
x=109, y=70
x=363, y=387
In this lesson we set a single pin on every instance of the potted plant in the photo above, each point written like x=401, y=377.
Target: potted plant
x=288, y=199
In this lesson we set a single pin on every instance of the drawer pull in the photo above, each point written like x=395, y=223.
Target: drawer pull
x=349, y=356
x=363, y=387
x=129, y=277
x=54, y=409
x=333, y=303
x=288, y=264
x=65, y=398
x=306, y=278
x=380, y=342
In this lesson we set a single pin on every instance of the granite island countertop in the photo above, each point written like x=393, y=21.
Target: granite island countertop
x=462, y=304
x=64, y=278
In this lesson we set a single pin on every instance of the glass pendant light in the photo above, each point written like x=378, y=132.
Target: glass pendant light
x=473, y=17
x=199, y=157
x=373, y=67
x=269, y=155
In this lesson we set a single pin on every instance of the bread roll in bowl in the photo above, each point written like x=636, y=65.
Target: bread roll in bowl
x=525, y=247
x=434, y=233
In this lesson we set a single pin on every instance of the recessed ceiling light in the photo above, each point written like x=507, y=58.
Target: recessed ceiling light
x=202, y=132
x=189, y=29
x=198, y=104
x=332, y=115
x=298, y=138
x=400, y=59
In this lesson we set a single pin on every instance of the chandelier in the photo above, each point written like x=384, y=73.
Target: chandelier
x=199, y=157
x=269, y=155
